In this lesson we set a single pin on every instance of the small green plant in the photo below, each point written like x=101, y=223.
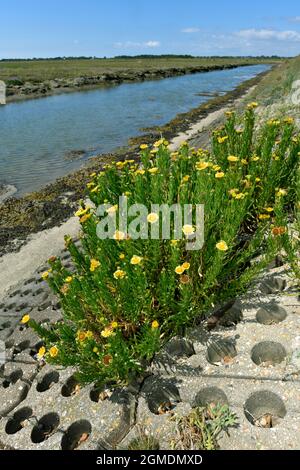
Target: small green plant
x=202, y=427
x=143, y=441
x=127, y=296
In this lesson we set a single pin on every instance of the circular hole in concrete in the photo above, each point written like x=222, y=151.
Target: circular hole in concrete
x=44, y=305
x=18, y=421
x=271, y=315
x=47, y=381
x=163, y=399
x=37, y=292
x=4, y=325
x=210, y=396
x=268, y=353
x=71, y=387
x=13, y=378
x=264, y=409
x=221, y=351
x=95, y=395
x=14, y=294
x=21, y=307
x=9, y=343
x=21, y=347
x=77, y=434
x=46, y=426
x=26, y=292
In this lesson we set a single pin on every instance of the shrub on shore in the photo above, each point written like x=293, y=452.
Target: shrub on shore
x=126, y=296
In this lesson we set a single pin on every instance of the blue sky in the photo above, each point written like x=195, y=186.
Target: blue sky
x=35, y=28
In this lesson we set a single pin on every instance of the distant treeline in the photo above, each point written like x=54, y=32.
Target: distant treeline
x=144, y=56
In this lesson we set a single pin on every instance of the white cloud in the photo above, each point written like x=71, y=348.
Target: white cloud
x=137, y=45
x=265, y=34
x=152, y=44
x=190, y=30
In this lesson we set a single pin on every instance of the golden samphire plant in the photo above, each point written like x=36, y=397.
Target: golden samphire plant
x=126, y=297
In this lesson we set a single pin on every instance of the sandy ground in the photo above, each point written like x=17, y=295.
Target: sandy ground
x=15, y=267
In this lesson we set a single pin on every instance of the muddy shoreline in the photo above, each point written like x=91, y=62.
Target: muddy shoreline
x=33, y=90
x=55, y=203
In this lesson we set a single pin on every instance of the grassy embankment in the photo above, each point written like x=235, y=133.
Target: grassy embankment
x=41, y=70
x=37, y=78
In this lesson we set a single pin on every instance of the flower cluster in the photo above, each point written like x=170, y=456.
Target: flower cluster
x=126, y=296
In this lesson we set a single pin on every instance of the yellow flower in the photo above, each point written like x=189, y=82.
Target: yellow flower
x=114, y=325
x=244, y=161
x=216, y=168
x=112, y=210
x=153, y=171
x=89, y=334
x=186, y=179
x=252, y=105
x=69, y=279
x=90, y=185
x=289, y=120
x=281, y=192
x=53, y=351
x=119, y=274
x=273, y=122
x=239, y=196
x=155, y=325
x=264, y=216
x=136, y=260
x=228, y=113
x=269, y=209
x=174, y=242
x=85, y=218
x=222, y=246
x=95, y=189
x=153, y=218
x=93, y=175
x=107, y=333
x=140, y=172
x=45, y=275
x=201, y=166
x=94, y=265
x=233, y=192
x=95, y=350
x=179, y=270
x=25, y=319
x=186, y=266
x=158, y=143
x=255, y=158
x=233, y=159
x=188, y=230
x=221, y=140
x=122, y=256
x=41, y=353
x=81, y=336
x=121, y=165
x=119, y=235
x=220, y=175
x=81, y=212
x=258, y=180
x=144, y=147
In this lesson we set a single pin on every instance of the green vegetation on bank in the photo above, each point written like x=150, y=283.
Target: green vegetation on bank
x=126, y=297
x=42, y=70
